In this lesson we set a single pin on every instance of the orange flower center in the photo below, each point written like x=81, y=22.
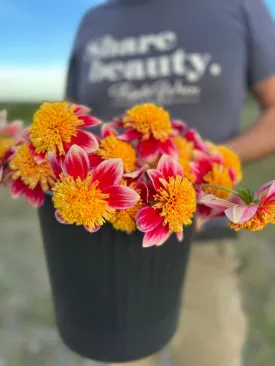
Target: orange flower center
x=185, y=148
x=177, y=202
x=218, y=176
x=111, y=147
x=264, y=215
x=54, y=124
x=149, y=119
x=5, y=144
x=126, y=220
x=81, y=202
x=31, y=173
x=231, y=160
x=187, y=170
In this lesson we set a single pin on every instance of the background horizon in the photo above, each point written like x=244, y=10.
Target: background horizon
x=35, y=44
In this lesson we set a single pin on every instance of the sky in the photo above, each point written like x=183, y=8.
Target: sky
x=35, y=41
x=36, y=37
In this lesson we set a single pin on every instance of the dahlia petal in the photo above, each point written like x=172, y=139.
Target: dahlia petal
x=59, y=218
x=136, y=174
x=89, y=121
x=86, y=140
x=169, y=167
x=204, y=212
x=76, y=162
x=269, y=192
x=108, y=173
x=39, y=158
x=92, y=230
x=94, y=160
x=121, y=197
x=107, y=130
x=35, y=197
x=168, y=148
x=193, y=136
x=148, y=219
x=144, y=194
x=12, y=129
x=130, y=135
x=240, y=214
x=214, y=202
x=81, y=110
x=117, y=122
x=26, y=134
x=233, y=175
x=148, y=149
x=17, y=188
x=178, y=125
x=55, y=165
x=156, y=237
x=262, y=191
x=180, y=236
x=155, y=177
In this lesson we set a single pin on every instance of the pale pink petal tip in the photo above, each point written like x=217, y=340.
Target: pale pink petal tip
x=59, y=218
x=87, y=228
x=121, y=197
x=214, y=202
x=157, y=237
x=169, y=167
x=240, y=214
x=180, y=236
x=86, y=140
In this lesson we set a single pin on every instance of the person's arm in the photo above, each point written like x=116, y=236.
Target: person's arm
x=259, y=140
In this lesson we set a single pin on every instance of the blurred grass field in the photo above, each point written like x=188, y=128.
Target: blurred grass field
x=27, y=332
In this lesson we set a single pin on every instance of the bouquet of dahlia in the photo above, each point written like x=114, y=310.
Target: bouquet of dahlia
x=145, y=172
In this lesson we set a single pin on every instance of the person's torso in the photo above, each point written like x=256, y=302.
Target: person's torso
x=189, y=56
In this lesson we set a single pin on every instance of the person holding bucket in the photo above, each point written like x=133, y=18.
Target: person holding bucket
x=197, y=59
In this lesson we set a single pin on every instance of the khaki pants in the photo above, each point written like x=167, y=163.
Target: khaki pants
x=212, y=328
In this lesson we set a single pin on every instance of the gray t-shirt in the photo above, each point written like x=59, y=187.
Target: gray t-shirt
x=196, y=58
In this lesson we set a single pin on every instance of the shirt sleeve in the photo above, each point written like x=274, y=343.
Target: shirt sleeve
x=71, y=80
x=260, y=31
x=71, y=84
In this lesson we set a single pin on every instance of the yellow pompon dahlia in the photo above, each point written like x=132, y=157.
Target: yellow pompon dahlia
x=148, y=119
x=188, y=173
x=30, y=171
x=177, y=202
x=126, y=220
x=218, y=175
x=112, y=147
x=231, y=161
x=186, y=151
x=10, y=134
x=251, y=210
x=5, y=144
x=185, y=148
x=80, y=202
x=89, y=198
x=173, y=205
x=56, y=127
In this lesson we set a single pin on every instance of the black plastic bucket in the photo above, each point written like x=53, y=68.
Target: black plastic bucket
x=114, y=301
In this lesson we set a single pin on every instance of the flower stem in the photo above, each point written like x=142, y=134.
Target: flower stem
x=217, y=187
